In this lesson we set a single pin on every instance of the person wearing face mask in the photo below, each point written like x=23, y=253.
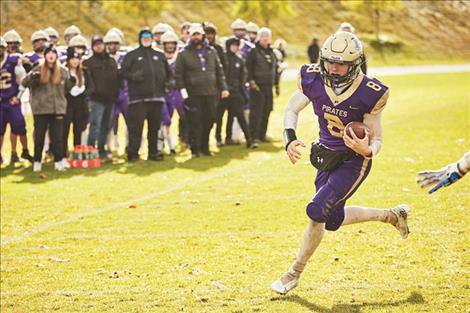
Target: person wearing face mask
x=77, y=109
x=102, y=84
x=49, y=83
x=147, y=73
x=200, y=78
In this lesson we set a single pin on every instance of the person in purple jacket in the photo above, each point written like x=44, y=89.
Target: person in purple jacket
x=11, y=73
x=340, y=93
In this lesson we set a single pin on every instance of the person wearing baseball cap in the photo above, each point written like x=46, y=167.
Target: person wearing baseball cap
x=200, y=78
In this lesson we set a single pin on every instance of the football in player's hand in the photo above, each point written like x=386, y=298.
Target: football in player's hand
x=358, y=128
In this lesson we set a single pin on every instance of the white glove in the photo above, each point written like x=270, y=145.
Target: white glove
x=75, y=91
x=444, y=177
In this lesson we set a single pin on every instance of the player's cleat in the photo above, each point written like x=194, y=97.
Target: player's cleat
x=287, y=282
x=25, y=155
x=37, y=167
x=401, y=212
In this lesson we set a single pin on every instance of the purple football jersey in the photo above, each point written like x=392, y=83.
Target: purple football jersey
x=34, y=57
x=334, y=112
x=245, y=48
x=8, y=85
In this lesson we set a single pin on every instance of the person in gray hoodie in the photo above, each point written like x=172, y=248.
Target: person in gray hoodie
x=49, y=83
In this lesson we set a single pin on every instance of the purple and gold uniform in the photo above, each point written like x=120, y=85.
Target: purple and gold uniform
x=9, y=88
x=34, y=57
x=365, y=96
x=173, y=99
x=122, y=102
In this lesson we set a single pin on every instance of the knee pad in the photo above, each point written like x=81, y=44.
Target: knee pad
x=323, y=204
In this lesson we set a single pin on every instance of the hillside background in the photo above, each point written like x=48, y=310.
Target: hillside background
x=410, y=32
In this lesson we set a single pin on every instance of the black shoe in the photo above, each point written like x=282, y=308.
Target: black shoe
x=229, y=142
x=25, y=155
x=14, y=158
x=207, y=153
x=132, y=159
x=156, y=157
x=172, y=152
x=250, y=144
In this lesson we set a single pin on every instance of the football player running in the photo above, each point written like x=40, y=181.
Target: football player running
x=446, y=176
x=340, y=94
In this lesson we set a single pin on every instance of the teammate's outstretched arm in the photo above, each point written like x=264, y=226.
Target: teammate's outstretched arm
x=297, y=102
x=446, y=176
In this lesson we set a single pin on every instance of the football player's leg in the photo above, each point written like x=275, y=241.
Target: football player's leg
x=328, y=204
x=397, y=216
x=18, y=127
x=3, y=127
x=312, y=237
x=311, y=240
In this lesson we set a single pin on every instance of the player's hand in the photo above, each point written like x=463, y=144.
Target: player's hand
x=292, y=152
x=14, y=101
x=224, y=94
x=360, y=146
x=444, y=177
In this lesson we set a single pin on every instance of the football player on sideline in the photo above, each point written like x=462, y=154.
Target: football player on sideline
x=446, y=176
x=340, y=94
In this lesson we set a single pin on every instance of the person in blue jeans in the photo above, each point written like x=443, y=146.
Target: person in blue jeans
x=102, y=84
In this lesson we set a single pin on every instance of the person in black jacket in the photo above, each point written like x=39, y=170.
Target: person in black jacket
x=147, y=73
x=313, y=51
x=200, y=77
x=77, y=111
x=102, y=84
x=262, y=69
x=235, y=74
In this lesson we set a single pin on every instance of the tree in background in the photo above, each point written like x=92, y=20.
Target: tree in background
x=374, y=8
x=139, y=9
x=263, y=10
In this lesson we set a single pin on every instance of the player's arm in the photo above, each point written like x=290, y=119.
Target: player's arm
x=374, y=123
x=297, y=102
x=446, y=176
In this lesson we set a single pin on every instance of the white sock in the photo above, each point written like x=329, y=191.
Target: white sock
x=357, y=214
x=312, y=237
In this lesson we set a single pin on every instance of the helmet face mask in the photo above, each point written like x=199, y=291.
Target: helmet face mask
x=341, y=48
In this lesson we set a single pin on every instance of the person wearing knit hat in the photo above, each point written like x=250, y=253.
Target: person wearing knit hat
x=77, y=107
x=49, y=82
x=102, y=75
x=147, y=73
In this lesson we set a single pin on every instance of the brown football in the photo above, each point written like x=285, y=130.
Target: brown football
x=358, y=128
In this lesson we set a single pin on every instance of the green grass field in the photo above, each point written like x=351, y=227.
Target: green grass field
x=71, y=242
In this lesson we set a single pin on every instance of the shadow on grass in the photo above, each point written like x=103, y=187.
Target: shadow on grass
x=414, y=298
x=141, y=168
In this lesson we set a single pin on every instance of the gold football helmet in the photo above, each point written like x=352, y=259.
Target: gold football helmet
x=342, y=48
